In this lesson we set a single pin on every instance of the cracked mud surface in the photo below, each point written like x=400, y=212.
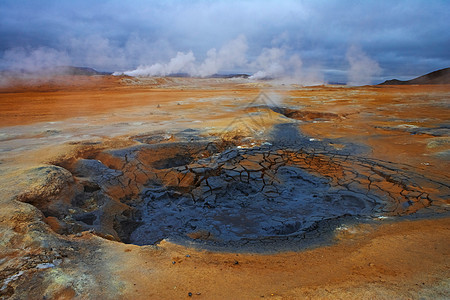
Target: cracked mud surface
x=355, y=179
x=286, y=193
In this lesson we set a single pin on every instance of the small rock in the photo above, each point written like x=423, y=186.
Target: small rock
x=190, y=294
x=45, y=266
x=174, y=262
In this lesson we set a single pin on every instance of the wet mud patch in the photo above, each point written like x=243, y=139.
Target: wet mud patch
x=443, y=130
x=288, y=192
x=248, y=209
x=304, y=114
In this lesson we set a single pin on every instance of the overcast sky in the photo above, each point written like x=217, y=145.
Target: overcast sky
x=330, y=39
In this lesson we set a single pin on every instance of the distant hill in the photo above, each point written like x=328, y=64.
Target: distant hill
x=229, y=76
x=55, y=71
x=437, y=77
x=69, y=70
x=211, y=76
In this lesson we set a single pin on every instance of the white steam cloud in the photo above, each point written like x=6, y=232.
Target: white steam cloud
x=229, y=56
x=272, y=63
x=362, y=68
x=30, y=66
x=276, y=63
x=232, y=54
x=21, y=59
x=181, y=63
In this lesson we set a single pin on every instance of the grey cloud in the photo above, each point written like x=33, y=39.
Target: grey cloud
x=404, y=37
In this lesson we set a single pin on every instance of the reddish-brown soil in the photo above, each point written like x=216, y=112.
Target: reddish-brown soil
x=385, y=260
x=404, y=259
x=21, y=104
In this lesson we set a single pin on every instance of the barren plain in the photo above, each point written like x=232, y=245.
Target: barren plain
x=179, y=188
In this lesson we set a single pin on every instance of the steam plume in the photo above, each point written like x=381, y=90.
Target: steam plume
x=26, y=60
x=230, y=55
x=362, y=68
x=181, y=63
x=276, y=63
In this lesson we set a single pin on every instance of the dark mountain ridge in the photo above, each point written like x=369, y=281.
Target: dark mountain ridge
x=437, y=77
x=55, y=71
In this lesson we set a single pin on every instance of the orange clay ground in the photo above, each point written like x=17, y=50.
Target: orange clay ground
x=47, y=121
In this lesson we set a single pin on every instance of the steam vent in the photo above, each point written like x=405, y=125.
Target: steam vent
x=117, y=186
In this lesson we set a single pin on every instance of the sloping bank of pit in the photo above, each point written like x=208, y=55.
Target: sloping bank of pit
x=286, y=192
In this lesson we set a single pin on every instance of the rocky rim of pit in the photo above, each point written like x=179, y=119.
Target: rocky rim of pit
x=282, y=191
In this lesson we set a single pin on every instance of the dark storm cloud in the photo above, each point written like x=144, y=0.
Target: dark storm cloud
x=403, y=38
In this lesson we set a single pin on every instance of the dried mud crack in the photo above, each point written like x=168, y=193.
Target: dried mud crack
x=111, y=190
x=283, y=192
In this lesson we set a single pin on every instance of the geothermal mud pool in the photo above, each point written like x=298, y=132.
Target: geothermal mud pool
x=281, y=191
x=166, y=181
